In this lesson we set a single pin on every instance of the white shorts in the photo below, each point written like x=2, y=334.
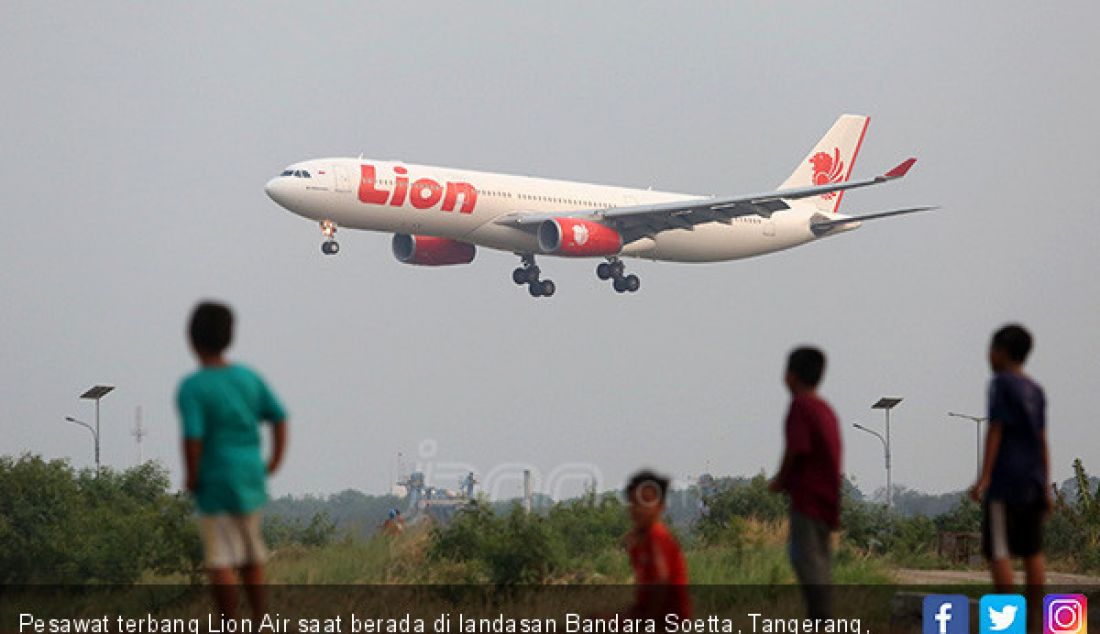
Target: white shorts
x=232, y=541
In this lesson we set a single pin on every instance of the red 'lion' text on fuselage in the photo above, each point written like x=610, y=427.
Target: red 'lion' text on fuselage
x=423, y=193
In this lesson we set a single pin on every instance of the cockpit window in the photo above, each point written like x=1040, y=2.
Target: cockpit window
x=296, y=173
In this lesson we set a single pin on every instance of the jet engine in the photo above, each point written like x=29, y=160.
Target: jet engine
x=577, y=237
x=431, y=251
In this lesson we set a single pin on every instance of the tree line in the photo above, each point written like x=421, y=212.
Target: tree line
x=59, y=524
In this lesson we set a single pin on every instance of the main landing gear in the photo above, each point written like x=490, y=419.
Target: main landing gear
x=614, y=270
x=330, y=246
x=528, y=274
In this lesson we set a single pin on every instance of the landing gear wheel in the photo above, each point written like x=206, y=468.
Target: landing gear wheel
x=615, y=270
x=528, y=273
x=329, y=246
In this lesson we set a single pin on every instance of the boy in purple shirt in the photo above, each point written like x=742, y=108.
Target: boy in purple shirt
x=1014, y=485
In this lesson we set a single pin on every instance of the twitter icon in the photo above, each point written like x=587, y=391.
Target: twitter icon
x=1003, y=614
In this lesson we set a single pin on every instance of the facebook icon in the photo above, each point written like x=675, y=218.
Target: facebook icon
x=946, y=614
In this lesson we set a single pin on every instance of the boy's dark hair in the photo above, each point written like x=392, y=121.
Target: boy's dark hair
x=1014, y=340
x=647, y=477
x=211, y=327
x=807, y=364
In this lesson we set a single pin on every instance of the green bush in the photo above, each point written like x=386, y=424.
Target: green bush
x=515, y=548
x=1073, y=529
x=866, y=525
x=591, y=524
x=280, y=531
x=58, y=525
x=351, y=512
x=526, y=551
x=913, y=542
x=580, y=537
x=965, y=517
x=740, y=499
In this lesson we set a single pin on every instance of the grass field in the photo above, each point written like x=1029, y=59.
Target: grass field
x=758, y=557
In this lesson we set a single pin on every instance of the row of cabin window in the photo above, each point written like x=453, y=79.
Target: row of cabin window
x=570, y=201
x=567, y=201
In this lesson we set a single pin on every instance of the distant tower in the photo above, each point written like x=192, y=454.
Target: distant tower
x=139, y=433
x=528, y=495
x=468, y=485
x=416, y=490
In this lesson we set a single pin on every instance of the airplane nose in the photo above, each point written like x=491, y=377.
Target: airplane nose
x=273, y=188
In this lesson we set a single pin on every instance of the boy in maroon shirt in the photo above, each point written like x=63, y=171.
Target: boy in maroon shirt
x=810, y=476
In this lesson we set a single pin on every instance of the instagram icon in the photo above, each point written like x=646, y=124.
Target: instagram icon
x=1065, y=614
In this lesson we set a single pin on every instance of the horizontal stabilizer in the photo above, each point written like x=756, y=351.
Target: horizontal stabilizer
x=823, y=226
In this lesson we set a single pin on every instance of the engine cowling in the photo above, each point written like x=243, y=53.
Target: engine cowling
x=431, y=251
x=577, y=237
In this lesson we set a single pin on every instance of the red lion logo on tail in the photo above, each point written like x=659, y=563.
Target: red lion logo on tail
x=827, y=169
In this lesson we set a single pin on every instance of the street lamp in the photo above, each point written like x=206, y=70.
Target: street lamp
x=95, y=437
x=885, y=451
x=978, y=420
x=94, y=393
x=888, y=403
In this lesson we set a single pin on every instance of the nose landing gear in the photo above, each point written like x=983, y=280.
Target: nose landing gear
x=615, y=270
x=528, y=274
x=330, y=246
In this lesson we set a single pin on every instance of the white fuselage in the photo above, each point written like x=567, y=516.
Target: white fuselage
x=462, y=205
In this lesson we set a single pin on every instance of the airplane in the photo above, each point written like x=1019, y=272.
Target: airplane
x=438, y=215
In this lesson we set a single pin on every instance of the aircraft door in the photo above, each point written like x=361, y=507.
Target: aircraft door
x=343, y=178
x=769, y=226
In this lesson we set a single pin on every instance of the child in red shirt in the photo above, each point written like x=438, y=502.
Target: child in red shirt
x=659, y=568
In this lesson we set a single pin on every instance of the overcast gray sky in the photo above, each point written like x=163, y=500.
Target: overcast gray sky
x=137, y=139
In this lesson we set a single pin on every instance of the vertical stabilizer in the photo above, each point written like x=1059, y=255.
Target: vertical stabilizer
x=831, y=160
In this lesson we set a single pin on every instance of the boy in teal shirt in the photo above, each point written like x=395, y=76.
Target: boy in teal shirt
x=221, y=406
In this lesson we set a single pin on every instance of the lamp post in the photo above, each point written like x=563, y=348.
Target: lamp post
x=94, y=393
x=95, y=437
x=886, y=453
x=888, y=403
x=978, y=420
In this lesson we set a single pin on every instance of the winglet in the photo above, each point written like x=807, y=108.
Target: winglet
x=902, y=169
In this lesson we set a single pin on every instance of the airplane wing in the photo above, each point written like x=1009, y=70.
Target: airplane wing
x=638, y=221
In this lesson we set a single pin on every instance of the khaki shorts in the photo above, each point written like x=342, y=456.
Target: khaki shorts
x=232, y=541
